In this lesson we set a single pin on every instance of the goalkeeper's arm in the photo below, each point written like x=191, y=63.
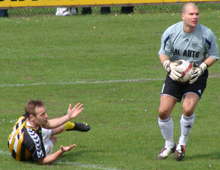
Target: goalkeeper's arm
x=163, y=58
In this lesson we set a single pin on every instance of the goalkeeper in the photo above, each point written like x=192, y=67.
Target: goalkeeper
x=186, y=40
x=33, y=136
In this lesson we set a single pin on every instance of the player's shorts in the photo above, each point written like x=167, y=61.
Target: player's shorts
x=48, y=144
x=178, y=89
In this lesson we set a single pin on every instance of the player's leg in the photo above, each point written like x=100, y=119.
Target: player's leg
x=170, y=94
x=49, y=145
x=187, y=119
x=49, y=140
x=68, y=126
x=78, y=126
x=165, y=123
x=186, y=123
x=192, y=96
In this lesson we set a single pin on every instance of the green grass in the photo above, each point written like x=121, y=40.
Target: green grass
x=110, y=64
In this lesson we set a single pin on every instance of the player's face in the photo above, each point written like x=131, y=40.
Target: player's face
x=41, y=116
x=191, y=17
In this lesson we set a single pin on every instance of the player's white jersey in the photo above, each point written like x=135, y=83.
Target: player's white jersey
x=194, y=47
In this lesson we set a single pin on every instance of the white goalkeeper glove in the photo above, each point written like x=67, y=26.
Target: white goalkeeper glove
x=199, y=70
x=174, y=72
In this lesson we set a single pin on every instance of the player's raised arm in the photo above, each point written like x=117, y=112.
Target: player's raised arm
x=71, y=113
x=77, y=109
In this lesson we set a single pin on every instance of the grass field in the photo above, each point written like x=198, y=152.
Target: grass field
x=109, y=63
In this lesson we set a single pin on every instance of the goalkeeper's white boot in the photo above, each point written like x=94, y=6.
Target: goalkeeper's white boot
x=165, y=152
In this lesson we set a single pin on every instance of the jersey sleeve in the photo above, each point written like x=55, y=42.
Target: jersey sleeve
x=211, y=46
x=166, y=46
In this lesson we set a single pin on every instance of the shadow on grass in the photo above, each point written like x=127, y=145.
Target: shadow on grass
x=213, y=155
x=72, y=155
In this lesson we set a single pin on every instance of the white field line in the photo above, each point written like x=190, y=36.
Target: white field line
x=89, y=166
x=80, y=82
x=4, y=152
x=88, y=82
x=70, y=163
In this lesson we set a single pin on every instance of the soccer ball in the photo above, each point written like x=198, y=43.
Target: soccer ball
x=187, y=69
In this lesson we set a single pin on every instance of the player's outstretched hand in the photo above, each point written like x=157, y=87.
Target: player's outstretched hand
x=77, y=109
x=67, y=148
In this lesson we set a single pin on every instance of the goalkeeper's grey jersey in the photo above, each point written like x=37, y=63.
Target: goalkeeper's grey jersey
x=194, y=47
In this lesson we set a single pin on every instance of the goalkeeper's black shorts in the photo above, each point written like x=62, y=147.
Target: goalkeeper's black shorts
x=178, y=89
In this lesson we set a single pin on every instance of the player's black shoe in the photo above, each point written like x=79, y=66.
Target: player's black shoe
x=79, y=126
x=179, y=152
